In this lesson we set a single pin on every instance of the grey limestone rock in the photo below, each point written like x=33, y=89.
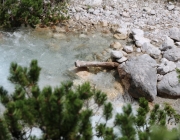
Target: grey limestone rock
x=172, y=54
x=153, y=12
x=138, y=50
x=168, y=43
x=159, y=77
x=177, y=43
x=128, y=49
x=125, y=14
x=170, y=7
x=163, y=69
x=141, y=75
x=91, y=10
x=139, y=37
x=151, y=50
x=178, y=65
x=166, y=66
x=96, y=12
x=93, y=2
x=169, y=86
x=78, y=9
x=73, y=10
x=121, y=30
x=140, y=40
x=138, y=32
x=174, y=33
x=124, y=53
x=146, y=9
x=116, y=54
x=121, y=60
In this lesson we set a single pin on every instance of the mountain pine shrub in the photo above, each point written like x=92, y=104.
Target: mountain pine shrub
x=14, y=13
x=65, y=112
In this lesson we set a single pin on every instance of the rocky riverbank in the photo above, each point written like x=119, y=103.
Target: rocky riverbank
x=151, y=54
x=146, y=44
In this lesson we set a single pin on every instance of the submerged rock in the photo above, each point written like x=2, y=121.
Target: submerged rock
x=116, y=45
x=59, y=36
x=120, y=36
x=141, y=75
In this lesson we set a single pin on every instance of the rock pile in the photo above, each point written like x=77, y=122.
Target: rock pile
x=151, y=72
x=147, y=66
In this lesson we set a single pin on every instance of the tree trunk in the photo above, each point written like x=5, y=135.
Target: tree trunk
x=95, y=64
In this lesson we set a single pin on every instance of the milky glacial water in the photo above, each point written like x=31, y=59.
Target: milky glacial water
x=55, y=56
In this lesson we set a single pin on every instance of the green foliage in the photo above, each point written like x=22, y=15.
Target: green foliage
x=108, y=111
x=106, y=132
x=13, y=13
x=24, y=77
x=58, y=113
x=65, y=112
x=4, y=135
x=163, y=133
x=125, y=122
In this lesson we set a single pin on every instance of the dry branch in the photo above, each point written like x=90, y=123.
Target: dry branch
x=95, y=64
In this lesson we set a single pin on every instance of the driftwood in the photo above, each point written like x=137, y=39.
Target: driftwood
x=95, y=64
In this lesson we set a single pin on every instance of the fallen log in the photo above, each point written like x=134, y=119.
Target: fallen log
x=95, y=64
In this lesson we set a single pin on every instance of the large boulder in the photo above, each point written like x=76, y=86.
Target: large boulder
x=172, y=54
x=169, y=86
x=139, y=76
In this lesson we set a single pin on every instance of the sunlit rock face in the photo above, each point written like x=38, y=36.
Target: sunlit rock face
x=141, y=75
